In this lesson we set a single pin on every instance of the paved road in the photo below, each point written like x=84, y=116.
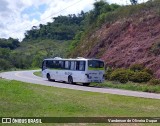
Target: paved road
x=28, y=76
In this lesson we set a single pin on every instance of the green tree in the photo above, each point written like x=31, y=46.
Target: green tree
x=62, y=28
x=5, y=64
x=37, y=60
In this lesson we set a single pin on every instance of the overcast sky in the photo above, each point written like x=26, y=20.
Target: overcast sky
x=17, y=16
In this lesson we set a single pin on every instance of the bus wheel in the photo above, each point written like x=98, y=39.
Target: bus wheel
x=86, y=84
x=48, y=77
x=70, y=80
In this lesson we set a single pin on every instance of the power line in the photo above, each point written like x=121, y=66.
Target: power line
x=62, y=10
x=50, y=16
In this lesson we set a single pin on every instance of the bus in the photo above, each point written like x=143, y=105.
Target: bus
x=78, y=70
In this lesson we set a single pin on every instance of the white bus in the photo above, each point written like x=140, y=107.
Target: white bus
x=79, y=70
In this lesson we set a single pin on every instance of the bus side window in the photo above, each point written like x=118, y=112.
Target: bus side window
x=54, y=64
x=61, y=64
x=49, y=64
x=82, y=65
x=77, y=65
x=67, y=65
x=72, y=67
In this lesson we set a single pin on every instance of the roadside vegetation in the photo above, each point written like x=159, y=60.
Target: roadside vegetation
x=136, y=77
x=38, y=73
x=19, y=99
x=152, y=86
x=144, y=87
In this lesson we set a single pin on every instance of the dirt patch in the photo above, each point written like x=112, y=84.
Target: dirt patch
x=127, y=42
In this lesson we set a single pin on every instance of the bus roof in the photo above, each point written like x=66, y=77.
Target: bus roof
x=78, y=58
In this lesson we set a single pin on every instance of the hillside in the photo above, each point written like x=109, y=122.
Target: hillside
x=130, y=35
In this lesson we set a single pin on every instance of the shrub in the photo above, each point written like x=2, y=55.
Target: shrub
x=136, y=67
x=154, y=82
x=5, y=64
x=108, y=73
x=137, y=73
x=148, y=71
x=120, y=75
x=140, y=77
x=130, y=75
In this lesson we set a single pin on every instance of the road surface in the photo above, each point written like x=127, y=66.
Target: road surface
x=28, y=76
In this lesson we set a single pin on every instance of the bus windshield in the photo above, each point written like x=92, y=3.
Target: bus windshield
x=95, y=65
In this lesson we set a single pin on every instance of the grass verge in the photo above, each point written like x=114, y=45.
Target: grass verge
x=38, y=73
x=130, y=86
x=28, y=100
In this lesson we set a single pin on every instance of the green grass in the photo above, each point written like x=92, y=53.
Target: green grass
x=65, y=102
x=28, y=100
x=130, y=86
x=38, y=73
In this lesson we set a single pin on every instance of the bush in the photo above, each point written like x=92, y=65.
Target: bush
x=5, y=64
x=120, y=75
x=154, y=82
x=148, y=71
x=137, y=73
x=136, y=67
x=108, y=73
x=130, y=74
x=140, y=77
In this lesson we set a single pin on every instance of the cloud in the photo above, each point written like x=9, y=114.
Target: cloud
x=20, y=15
x=3, y=6
x=2, y=25
x=17, y=16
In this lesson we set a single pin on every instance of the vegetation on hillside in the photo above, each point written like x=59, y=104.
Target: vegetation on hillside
x=93, y=19
x=62, y=28
x=40, y=42
x=9, y=43
x=31, y=54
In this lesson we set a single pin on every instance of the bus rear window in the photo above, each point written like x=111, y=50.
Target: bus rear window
x=95, y=64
